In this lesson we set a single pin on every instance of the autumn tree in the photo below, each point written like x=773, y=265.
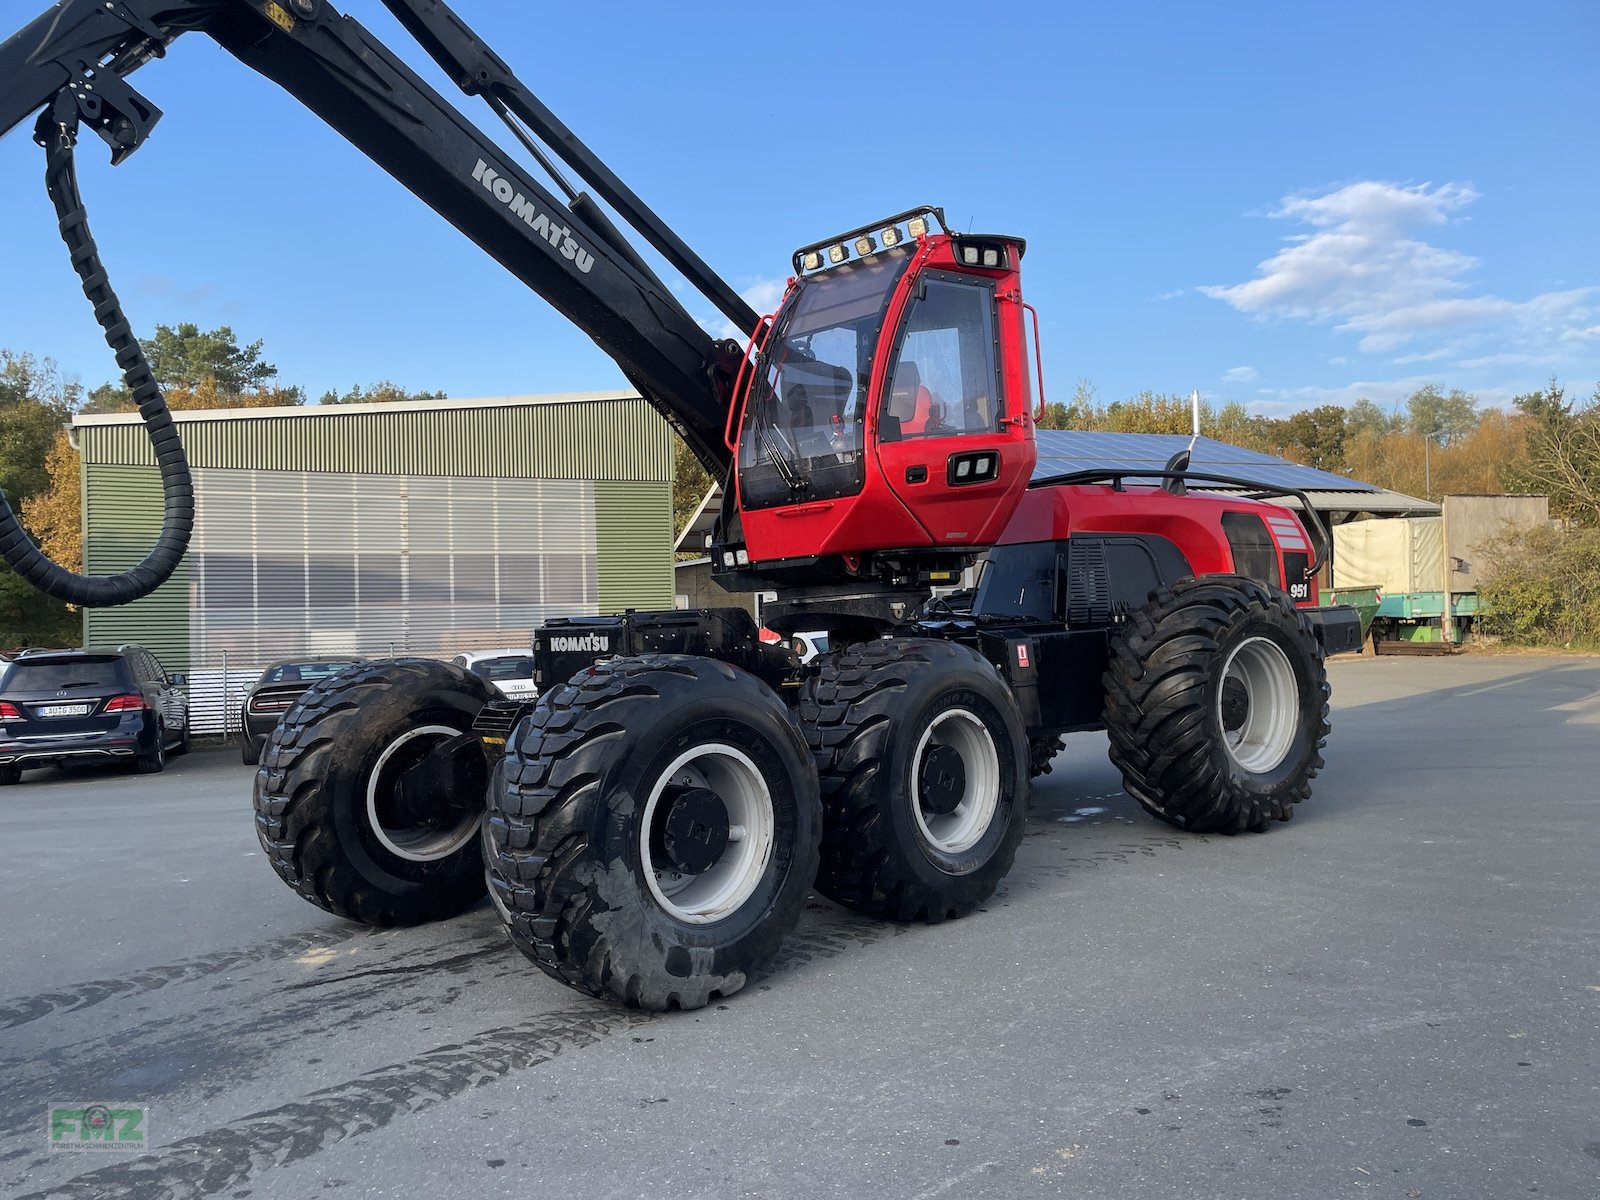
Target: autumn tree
x=1316, y=437
x=54, y=515
x=1365, y=419
x=1563, y=451
x=383, y=392
x=34, y=403
x=690, y=483
x=202, y=369
x=1443, y=416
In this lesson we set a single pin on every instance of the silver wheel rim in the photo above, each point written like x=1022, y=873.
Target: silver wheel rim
x=724, y=887
x=1264, y=737
x=427, y=843
x=958, y=831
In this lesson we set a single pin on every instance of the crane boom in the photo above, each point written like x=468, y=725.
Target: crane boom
x=564, y=250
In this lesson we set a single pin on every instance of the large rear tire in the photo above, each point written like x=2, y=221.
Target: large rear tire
x=653, y=830
x=924, y=770
x=1217, y=705
x=337, y=814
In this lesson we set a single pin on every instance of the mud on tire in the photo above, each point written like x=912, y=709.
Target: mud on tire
x=924, y=771
x=653, y=830
x=329, y=813
x=1217, y=705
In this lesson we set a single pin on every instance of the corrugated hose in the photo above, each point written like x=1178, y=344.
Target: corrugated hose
x=58, y=133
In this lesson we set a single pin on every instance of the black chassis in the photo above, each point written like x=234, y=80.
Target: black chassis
x=1052, y=650
x=1044, y=614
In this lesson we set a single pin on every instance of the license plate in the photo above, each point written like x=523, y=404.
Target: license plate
x=62, y=710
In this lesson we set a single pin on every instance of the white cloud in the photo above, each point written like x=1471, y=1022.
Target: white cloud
x=1365, y=269
x=1385, y=393
x=1239, y=375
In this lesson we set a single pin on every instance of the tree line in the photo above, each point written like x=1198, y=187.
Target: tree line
x=1436, y=443
x=39, y=471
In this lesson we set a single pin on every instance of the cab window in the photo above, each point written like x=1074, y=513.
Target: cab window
x=945, y=381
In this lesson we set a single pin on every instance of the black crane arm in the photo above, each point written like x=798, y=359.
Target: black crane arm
x=567, y=252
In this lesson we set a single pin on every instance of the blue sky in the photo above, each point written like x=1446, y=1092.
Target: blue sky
x=1281, y=204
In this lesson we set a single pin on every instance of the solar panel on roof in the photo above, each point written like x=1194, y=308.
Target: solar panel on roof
x=1067, y=450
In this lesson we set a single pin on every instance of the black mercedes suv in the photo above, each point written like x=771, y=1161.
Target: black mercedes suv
x=57, y=705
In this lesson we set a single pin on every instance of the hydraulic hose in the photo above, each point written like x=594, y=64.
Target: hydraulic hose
x=59, y=135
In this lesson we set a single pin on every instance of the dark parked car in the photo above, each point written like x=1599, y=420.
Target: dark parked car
x=274, y=693
x=57, y=705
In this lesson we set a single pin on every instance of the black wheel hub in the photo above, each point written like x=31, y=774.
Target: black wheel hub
x=943, y=779
x=431, y=791
x=1235, y=705
x=695, y=831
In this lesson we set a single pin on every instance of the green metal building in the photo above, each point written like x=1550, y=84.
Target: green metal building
x=423, y=527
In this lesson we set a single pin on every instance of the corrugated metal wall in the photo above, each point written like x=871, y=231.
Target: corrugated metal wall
x=404, y=530
x=632, y=523
x=123, y=512
x=606, y=439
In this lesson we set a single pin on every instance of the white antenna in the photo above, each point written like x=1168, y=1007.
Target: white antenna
x=1194, y=406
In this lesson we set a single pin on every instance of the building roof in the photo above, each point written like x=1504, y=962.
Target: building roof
x=1065, y=450
x=313, y=411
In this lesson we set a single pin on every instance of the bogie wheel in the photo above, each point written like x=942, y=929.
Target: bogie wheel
x=924, y=771
x=1217, y=705
x=354, y=809
x=653, y=830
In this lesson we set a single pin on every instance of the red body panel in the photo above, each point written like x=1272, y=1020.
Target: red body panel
x=1193, y=522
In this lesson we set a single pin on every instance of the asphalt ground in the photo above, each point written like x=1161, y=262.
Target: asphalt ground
x=1397, y=994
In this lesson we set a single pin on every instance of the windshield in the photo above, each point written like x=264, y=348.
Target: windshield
x=504, y=668
x=803, y=430
x=64, y=674
x=304, y=672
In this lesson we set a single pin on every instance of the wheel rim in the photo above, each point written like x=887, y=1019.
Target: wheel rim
x=416, y=843
x=734, y=867
x=976, y=793
x=1258, y=705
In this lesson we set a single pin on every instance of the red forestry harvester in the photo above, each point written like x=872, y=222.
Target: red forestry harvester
x=655, y=820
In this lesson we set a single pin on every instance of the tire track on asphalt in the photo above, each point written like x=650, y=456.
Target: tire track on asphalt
x=78, y=996
x=426, y=981
x=230, y=1155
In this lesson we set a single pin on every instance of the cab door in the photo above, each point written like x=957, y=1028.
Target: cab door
x=949, y=445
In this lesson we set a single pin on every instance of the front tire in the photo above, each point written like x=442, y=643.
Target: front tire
x=339, y=812
x=924, y=770
x=653, y=830
x=1217, y=705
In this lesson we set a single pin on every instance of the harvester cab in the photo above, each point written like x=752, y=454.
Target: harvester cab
x=889, y=408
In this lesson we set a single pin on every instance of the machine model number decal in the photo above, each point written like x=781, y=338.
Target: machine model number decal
x=557, y=235
x=1300, y=591
x=279, y=17
x=589, y=642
